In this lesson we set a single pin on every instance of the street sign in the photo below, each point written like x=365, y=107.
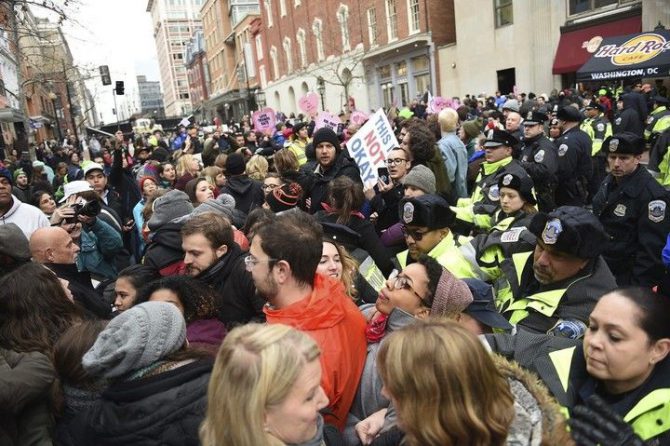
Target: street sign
x=104, y=74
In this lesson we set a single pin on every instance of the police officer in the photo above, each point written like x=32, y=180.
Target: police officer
x=559, y=283
x=632, y=207
x=540, y=159
x=425, y=225
x=658, y=120
x=659, y=159
x=598, y=128
x=574, y=159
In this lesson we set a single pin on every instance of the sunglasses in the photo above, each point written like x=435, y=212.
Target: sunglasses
x=416, y=235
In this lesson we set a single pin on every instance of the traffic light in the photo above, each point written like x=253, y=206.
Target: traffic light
x=104, y=74
x=119, y=88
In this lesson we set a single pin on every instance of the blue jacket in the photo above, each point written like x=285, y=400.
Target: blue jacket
x=99, y=245
x=456, y=161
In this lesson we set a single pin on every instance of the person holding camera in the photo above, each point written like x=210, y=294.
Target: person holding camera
x=80, y=216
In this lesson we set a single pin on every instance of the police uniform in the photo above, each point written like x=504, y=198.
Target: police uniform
x=659, y=159
x=657, y=121
x=540, y=159
x=433, y=212
x=486, y=195
x=634, y=212
x=539, y=307
x=574, y=161
x=598, y=129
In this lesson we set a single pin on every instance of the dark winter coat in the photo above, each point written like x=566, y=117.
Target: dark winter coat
x=248, y=193
x=315, y=181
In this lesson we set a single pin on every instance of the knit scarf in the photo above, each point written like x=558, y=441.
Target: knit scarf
x=376, y=328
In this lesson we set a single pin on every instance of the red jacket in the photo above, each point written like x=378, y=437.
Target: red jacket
x=330, y=317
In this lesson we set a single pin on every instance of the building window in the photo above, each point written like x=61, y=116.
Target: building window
x=263, y=76
x=275, y=63
x=413, y=15
x=317, y=29
x=300, y=38
x=503, y=12
x=289, y=57
x=282, y=8
x=259, y=47
x=372, y=27
x=580, y=6
x=268, y=11
x=343, y=18
x=391, y=20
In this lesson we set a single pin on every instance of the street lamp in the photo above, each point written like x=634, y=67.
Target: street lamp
x=52, y=97
x=321, y=88
x=260, y=98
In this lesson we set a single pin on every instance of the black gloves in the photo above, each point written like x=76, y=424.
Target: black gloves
x=596, y=424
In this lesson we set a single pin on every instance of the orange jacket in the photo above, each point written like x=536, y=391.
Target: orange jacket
x=330, y=317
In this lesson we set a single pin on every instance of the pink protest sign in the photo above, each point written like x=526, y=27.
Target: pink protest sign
x=326, y=119
x=264, y=119
x=309, y=103
x=358, y=117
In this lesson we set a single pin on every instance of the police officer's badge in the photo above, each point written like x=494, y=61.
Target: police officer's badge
x=600, y=127
x=657, y=211
x=539, y=156
x=614, y=144
x=529, y=116
x=494, y=193
x=617, y=121
x=507, y=179
x=552, y=230
x=408, y=213
x=562, y=149
x=620, y=210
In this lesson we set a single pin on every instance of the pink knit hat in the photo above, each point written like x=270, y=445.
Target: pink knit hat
x=452, y=296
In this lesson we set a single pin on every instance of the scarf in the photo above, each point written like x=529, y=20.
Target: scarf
x=376, y=328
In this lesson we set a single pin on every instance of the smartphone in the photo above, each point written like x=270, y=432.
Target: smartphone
x=383, y=174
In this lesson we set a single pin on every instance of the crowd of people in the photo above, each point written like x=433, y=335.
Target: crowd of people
x=504, y=283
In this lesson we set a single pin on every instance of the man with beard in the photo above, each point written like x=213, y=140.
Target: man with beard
x=283, y=259
x=539, y=159
x=212, y=257
x=426, y=221
x=555, y=287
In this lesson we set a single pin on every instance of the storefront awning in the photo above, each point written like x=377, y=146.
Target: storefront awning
x=576, y=47
x=631, y=56
x=11, y=115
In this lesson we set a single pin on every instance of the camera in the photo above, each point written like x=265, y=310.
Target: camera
x=87, y=209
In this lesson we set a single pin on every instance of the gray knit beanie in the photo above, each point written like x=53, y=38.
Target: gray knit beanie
x=511, y=104
x=135, y=339
x=422, y=178
x=173, y=204
x=224, y=205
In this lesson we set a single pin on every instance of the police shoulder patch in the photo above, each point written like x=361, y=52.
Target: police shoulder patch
x=408, y=213
x=600, y=127
x=650, y=119
x=620, y=210
x=562, y=149
x=539, y=156
x=617, y=121
x=494, y=193
x=657, y=211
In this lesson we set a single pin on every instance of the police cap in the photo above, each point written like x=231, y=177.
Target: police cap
x=661, y=100
x=594, y=104
x=427, y=211
x=534, y=117
x=521, y=184
x=569, y=114
x=571, y=230
x=498, y=138
x=623, y=143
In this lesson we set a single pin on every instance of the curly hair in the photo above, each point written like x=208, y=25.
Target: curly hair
x=421, y=143
x=198, y=300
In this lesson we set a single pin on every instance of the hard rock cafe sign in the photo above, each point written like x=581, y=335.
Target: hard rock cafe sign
x=641, y=48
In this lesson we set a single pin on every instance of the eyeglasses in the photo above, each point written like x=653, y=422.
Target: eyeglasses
x=270, y=186
x=400, y=282
x=250, y=262
x=395, y=161
x=416, y=235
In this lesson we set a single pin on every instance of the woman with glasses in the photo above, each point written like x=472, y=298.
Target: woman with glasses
x=422, y=289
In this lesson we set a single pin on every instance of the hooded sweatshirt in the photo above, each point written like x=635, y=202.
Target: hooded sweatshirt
x=335, y=323
x=25, y=216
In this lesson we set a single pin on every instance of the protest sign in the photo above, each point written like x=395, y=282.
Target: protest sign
x=358, y=117
x=437, y=103
x=326, y=119
x=264, y=119
x=309, y=104
x=370, y=146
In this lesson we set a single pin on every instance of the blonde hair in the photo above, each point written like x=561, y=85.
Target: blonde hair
x=184, y=165
x=255, y=369
x=464, y=398
x=210, y=173
x=448, y=119
x=285, y=161
x=257, y=168
x=349, y=268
